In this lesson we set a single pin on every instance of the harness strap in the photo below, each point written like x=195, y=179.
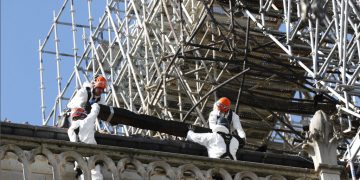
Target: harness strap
x=227, y=139
x=88, y=90
x=229, y=117
x=88, y=103
x=241, y=140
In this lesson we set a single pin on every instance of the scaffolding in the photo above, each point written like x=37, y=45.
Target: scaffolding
x=278, y=61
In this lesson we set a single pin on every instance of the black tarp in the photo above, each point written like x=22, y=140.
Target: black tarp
x=126, y=117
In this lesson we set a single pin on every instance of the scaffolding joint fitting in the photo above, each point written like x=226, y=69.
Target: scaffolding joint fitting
x=338, y=107
x=317, y=77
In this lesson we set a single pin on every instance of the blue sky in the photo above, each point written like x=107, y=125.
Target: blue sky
x=23, y=23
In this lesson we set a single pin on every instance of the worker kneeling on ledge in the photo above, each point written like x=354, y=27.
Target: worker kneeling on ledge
x=222, y=110
x=220, y=143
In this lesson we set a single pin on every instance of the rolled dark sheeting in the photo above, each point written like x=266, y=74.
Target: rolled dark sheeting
x=117, y=116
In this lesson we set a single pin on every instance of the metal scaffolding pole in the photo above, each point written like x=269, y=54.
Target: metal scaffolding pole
x=42, y=87
x=166, y=58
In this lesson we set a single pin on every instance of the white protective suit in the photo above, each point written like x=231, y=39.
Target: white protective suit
x=81, y=97
x=214, y=142
x=86, y=135
x=86, y=127
x=235, y=123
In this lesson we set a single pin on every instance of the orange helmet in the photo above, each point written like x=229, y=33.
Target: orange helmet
x=100, y=82
x=78, y=113
x=223, y=104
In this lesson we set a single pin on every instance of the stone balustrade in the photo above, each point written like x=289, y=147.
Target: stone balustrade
x=37, y=158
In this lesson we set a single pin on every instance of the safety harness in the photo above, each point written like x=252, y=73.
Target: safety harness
x=227, y=139
x=226, y=121
x=90, y=100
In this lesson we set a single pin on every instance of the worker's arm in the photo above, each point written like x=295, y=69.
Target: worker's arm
x=212, y=118
x=237, y=125
x=102, y=101
x=200, y=138
x=95, y=108
x=71, y=131
x=79, y=100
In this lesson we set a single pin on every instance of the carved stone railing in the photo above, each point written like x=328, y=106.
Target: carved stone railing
x=57, y=157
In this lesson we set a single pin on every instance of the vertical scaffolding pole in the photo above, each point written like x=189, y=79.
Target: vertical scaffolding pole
x=162, y=32
x=344, y=55
x=262, y=11
x=244, y=65
x=75, y=49
x=180, y=103
x=58, y=64
x=147, y=63
x=91, y=19
x=85, y=42
x=315, y=51
x=42, y=87
x=127, y=50
x=111, y=59
x=147, y=33
x=288, y=27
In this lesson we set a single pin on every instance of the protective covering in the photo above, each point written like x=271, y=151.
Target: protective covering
x=81, y=97
x=214, y=142
x=115, y=116
x=86, y=127
x=86, y=135
x=234, y=125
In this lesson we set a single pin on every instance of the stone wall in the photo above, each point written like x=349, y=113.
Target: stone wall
x=36, y=158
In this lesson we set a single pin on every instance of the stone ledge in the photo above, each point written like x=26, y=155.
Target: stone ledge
x=147, y=143
x=147, y=156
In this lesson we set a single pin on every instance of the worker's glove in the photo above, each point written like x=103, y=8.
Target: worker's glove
x=242, y=141
x=95, y=106
x=191, y=127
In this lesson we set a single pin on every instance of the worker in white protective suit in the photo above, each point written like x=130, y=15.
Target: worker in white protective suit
x=220, y=143
x=85, y=124
x=222, y=110
x=89, y=94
